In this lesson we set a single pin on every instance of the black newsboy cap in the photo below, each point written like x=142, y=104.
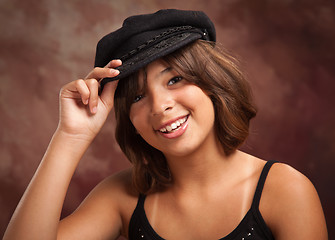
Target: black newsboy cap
x=145, y=38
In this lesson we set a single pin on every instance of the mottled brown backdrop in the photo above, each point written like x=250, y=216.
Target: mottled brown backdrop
x=286, y=46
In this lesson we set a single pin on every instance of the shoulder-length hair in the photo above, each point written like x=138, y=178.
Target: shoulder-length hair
x=217, y=73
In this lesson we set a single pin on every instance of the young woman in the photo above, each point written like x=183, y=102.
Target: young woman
x=182, y=109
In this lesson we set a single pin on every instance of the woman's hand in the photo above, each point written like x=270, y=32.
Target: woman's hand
x=82, y=111
x=82, y=114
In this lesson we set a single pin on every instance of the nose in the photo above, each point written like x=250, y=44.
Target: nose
x=161, y=101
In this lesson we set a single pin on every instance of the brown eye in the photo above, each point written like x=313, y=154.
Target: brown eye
x=174, y=80
x=138, y=98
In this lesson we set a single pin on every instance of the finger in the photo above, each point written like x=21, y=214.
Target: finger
x=83, y=90
x=107, y=95
x=114, y=63
x=99, y=73
x=107, y=71
x=93, y=86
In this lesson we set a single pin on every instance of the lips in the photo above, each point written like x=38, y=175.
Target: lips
x=173, y=126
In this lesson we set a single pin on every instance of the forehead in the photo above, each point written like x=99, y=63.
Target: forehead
x=154, y=70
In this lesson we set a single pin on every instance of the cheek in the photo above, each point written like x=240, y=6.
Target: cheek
x=133, y=116
x=196, y=97
x=203, y=108
x=137, y=117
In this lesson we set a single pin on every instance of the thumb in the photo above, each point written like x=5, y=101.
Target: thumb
x=107, y=95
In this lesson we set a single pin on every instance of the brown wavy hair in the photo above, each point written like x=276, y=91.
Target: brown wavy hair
x=217, y=73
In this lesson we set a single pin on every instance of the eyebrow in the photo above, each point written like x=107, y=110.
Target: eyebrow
x=145, y=75
x=166, y=70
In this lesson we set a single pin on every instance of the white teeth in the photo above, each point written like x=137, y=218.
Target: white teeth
x=168, y=128
x=173, y=126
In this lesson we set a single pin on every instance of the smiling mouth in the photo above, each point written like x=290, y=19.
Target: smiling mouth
x=174, y=126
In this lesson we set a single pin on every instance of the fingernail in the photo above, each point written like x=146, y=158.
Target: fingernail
x=94, y=110
x=115, y=71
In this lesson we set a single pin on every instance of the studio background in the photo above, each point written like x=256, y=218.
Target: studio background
x=287, y=49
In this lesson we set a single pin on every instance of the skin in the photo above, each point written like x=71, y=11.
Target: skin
x=206, y=182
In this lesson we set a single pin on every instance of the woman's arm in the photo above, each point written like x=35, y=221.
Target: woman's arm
x=82, y=114
x=291, y=206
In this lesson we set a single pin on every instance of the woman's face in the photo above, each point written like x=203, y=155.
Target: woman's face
x=170, y=113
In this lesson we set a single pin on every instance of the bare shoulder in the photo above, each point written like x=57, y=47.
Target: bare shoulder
x=120, y=181
x=109, y=206
x=116, y=188
x=291, y=206
x=118, y=191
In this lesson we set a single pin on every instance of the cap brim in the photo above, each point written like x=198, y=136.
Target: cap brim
x=146, y=56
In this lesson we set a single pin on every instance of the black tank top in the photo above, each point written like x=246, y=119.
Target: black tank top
x=252, y=226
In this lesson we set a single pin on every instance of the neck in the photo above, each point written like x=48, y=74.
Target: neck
x=201, y=169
